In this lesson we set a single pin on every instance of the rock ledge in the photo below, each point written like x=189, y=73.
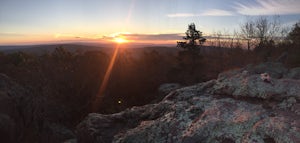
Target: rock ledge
x=238, y=107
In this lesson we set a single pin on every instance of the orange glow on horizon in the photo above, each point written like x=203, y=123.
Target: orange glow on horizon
x=120, y=40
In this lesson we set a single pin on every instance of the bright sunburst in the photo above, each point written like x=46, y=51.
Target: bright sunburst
x=120, y=40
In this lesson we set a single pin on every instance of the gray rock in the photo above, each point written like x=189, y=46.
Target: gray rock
x=166, y=88
x=275, y=70
x=294, y=73
x=90, y=130
x=288, y=103
x=247, y=85
x=238, y=107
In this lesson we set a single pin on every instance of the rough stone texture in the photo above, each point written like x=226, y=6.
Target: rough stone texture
x=242, y=84
x=238, y=107
x=166, y=88
x=276, y=70
x=294, y=73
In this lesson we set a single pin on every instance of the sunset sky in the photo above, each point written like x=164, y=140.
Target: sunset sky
x=42, y=21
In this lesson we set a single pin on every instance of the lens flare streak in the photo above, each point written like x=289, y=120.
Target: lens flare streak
x=99, y=96
x=108, y=72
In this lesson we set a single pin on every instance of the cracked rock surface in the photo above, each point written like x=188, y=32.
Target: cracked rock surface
x=238, y=107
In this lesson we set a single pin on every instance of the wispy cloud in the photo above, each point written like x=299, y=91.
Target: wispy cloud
x=136, y=37
x=60, y=36
x=269, y=7
x=210, y=12
x=11, y=34
x=146, y=37
x=182, y=15
x=216, y=12
x=152, y=36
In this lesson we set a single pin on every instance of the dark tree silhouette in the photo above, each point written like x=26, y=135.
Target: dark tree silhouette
x=193, y=39
x=190, y=60
x=248, y=32
x=294, y=35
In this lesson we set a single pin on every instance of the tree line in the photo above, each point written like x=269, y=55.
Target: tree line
x=265, y=36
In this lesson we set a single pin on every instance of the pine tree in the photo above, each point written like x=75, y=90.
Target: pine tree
x=193, y=39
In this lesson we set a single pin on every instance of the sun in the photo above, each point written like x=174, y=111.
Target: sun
x=120, y=40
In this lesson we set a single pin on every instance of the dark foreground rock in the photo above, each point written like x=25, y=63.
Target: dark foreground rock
x=238, y=107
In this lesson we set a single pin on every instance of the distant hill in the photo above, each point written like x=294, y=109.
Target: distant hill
x=83, y=47
x=41, y=49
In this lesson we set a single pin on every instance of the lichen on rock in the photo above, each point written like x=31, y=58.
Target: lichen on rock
x=237, y=107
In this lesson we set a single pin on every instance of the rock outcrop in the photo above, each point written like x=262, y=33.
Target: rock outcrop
x=294, y=73
x=166, y=88
x=238, y=107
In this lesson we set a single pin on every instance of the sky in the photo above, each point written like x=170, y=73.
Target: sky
x=152, y=21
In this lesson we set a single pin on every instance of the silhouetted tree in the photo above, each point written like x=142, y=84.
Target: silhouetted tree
x=267, y=30
x=294, y=35
x=189, y=60
x=192, y=35
x=248, y=32
x=293, y=46
x=261, y=32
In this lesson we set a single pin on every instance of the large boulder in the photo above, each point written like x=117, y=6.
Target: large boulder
x=275, y=69
x=103, y=128
x=241, y=83
x=238, y=107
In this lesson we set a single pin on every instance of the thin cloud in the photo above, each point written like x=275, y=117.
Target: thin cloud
x=181, y=15
x=269, y=7
x=216, y=12
x=210, y=12
x=137, y=37
x=76, y=36
x=11, y=34
x=143, y=37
